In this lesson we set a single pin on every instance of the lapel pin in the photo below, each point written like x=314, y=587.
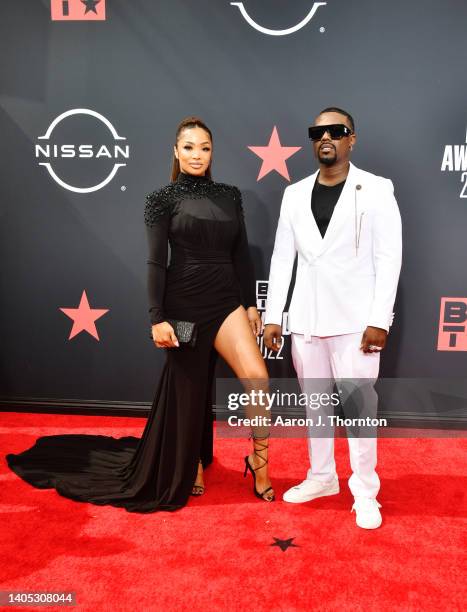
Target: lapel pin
x=358, y=226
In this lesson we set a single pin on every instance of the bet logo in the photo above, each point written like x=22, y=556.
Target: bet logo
x=452, y=334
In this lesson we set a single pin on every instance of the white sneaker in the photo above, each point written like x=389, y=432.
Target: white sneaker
x=311, y=489
x=367, y=512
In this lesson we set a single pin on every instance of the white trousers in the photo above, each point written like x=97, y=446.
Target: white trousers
x=328, y=359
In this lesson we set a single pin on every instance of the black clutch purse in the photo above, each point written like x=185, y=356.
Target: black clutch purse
x=186, y=331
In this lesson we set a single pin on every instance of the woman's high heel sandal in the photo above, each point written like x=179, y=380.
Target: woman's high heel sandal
x=253, y=470
x=197, y=489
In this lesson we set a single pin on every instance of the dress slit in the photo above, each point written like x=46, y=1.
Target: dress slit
x=211, y=276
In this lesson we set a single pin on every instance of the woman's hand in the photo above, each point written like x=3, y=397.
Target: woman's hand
x=164, y=336
x=254, y=319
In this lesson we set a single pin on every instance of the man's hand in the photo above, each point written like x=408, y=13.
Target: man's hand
x=272, y=336
x=254, y=319
x=163, y=335
x=373, y=337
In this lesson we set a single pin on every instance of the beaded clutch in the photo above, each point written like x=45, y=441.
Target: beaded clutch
x=186, y=331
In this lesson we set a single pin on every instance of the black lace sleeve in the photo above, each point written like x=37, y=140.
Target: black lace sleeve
x=157, y=215
x=241, y=257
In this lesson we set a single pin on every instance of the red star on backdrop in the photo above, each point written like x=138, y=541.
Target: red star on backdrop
x=274, y=156
x=84, y=317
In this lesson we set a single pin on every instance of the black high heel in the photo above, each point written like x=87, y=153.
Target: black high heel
x=253, y=470
x=197, y=490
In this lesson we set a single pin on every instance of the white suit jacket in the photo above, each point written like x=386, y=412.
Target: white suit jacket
x=348, y=279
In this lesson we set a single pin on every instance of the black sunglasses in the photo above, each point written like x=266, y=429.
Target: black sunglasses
x=336, y=131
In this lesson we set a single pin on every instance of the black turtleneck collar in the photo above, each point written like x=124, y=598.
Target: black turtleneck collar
x=183, y=177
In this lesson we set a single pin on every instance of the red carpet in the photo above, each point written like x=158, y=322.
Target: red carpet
x=217, y=551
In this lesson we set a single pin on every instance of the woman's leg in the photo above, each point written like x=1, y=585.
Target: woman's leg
x=207, y=441
x=198, y=487
x=236, y=343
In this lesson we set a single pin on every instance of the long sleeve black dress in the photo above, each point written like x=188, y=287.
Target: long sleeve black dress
x=209, y=276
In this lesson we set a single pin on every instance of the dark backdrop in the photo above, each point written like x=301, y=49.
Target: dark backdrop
x=398, y=67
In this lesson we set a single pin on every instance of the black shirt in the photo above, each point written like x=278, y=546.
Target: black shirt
x=323, y=201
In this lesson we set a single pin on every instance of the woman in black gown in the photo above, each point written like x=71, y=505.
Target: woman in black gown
x=209, y=281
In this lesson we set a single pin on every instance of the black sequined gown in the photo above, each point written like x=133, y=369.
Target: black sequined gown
x=209, y=276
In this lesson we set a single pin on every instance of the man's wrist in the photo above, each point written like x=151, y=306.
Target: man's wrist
x=380, y=328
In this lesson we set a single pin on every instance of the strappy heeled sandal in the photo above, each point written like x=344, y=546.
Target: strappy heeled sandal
x=253, y=470
x=197, y=489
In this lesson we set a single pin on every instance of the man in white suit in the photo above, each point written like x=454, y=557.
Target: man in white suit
x=344, y=225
